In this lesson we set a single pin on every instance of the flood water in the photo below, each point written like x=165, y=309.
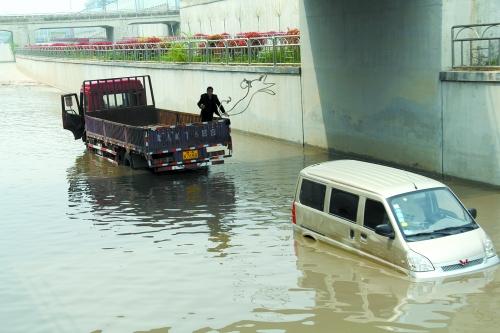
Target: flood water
x=89, y=247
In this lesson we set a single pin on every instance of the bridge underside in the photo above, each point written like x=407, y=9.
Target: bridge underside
x=23, y=29
x=25, y=35
x=371, y=74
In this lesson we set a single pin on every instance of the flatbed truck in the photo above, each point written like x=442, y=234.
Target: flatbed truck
x=117, y=119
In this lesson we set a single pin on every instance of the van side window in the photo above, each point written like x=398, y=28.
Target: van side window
x=312, y=194
x=344, y=204
x=375, y=214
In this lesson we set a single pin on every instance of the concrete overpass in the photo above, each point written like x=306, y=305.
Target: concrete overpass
x=23, y=27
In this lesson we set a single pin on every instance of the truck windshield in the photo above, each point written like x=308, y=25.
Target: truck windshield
x=430, y=214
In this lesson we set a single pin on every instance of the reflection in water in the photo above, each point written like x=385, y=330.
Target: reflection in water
x=142, y=204
x=354, y=295
x=364, y=292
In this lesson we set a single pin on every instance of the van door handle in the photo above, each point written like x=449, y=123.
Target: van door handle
x=351, y=233
x=363, y=235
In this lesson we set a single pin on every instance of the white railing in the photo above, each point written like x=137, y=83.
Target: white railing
x=272, y=50
x=475, y=45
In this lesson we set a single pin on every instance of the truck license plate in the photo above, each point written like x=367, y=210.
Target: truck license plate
x=190, y=155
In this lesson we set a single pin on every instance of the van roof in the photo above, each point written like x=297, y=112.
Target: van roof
x=375, y=178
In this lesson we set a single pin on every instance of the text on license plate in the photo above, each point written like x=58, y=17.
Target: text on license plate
x=190, y=155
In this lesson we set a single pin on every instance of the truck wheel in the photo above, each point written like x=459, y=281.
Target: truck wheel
x=204, y=170
x=127, y=160
x=135, y=161
x=120, y=156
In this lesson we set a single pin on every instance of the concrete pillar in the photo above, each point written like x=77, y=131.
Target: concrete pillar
x=177, y=28
x=172, y=28
x=370, y=78
x=110, y=34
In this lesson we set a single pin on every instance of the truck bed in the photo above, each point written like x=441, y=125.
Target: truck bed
x=146, y=117
x=148, y=130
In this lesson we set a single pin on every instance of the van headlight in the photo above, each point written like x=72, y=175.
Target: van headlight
x=418, y=263
x=489, y=248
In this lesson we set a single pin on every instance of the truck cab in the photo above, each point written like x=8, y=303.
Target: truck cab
x=96, y=95
x=114, y=94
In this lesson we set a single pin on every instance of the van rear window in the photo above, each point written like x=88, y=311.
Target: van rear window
x=312, y=194
x=344, y=204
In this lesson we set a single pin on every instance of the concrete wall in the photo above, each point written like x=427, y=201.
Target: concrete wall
x=233, y=16
x=6, y=53
x=471, y=114
x=274, y=101
x=370, y=72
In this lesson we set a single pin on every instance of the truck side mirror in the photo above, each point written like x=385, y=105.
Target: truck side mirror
x=385, y=230
x=473, y=212
x=68, y=101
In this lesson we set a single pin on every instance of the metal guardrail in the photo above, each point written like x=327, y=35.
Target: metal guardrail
x=275, y=50
x=475, y=45
x=37, y=18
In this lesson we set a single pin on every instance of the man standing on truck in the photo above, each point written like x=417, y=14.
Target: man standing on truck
x=209, y=104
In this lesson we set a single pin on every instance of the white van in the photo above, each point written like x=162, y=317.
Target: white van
x=409, y=222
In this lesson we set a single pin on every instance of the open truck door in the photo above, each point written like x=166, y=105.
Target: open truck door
x=72, y=115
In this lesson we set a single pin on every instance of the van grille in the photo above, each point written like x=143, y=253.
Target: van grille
x=460, y=266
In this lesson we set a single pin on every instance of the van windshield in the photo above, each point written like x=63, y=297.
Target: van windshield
x=430, y=214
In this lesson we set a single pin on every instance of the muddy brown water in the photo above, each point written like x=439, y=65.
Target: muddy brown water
x=89, y=247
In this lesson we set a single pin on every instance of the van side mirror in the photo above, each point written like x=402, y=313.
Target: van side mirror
x=68, y=101
x=385, y=230
x=473, y=212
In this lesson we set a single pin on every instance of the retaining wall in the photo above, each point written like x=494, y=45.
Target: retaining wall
x=471, y=131
x=271, y=96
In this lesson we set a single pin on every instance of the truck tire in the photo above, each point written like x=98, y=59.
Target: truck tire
x=135, y=161
x=120, y=156
x=128, y=161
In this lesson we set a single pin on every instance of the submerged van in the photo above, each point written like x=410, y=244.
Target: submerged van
x=409, y=222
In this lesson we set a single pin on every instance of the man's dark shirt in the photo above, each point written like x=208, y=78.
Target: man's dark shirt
x=211, y=104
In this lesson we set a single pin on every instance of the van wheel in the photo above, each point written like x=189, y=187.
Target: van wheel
x=309, y=237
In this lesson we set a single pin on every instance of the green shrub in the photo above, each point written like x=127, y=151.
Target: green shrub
x=178, y=52
x=283, y=55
